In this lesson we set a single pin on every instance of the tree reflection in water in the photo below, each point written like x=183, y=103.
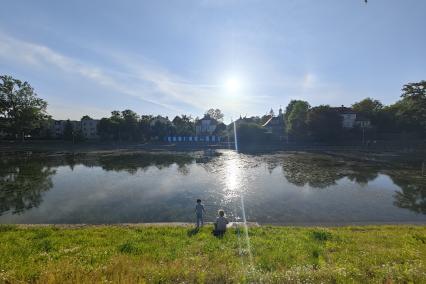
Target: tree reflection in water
x=25, y=177
x=23, y=180
x=321, y=171
x=413, y=192
x=131, y=163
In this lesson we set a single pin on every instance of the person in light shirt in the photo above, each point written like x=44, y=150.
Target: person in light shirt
x=220, y=224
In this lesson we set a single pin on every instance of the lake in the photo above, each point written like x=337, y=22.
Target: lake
x=278, y=188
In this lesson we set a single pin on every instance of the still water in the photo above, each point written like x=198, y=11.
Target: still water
x=279, y=188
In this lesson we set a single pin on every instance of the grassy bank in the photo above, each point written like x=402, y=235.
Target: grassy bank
x=175, y=254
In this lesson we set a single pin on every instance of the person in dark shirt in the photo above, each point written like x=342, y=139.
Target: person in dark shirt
x=199, y=211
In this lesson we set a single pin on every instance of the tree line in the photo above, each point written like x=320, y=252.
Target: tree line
x=127, y=125
x=406, y=118
x=23, y=113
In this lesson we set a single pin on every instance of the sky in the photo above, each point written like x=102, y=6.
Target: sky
x=184, y=57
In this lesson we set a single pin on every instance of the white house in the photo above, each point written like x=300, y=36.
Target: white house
x=205, y=126
x=351, y=119
x=275, y=124
x=57, y=127
x=89, y=128
x=348, y=116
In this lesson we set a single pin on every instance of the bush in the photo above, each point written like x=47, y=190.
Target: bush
x=321, y=235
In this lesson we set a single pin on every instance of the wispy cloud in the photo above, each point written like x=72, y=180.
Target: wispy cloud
x=149, y=82
x=136, y=77
x=32, y=54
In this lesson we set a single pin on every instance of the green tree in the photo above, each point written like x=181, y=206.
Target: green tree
x=411, y=109
x=290, y=107
x=85, y=117
x=215, y=113
x=324, y=123
x=145, y=127
x=68, y=131
x=129, y=125
x=21, y=109
x=105, y=129
x=368, y=108
x=116, y=125
x=220, y=129
x=252, y=134
x=296, y=113
x=184, y=125
x=161, y=129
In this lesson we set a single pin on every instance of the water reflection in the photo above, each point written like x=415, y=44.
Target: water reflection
x=24, y=177
x=131, y=163
x=413, y=193
x=321, y=171
x=22, y=183
x=158, y=187
x=233, y=185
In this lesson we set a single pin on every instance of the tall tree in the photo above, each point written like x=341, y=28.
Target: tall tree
x=145, y=127
x=68, y=131
x=324, y=123
x=85, y=117
x=297, y=112
x=105, y=129
x=20, y=107
x=368, y=107
x=215, y=113
x=130, y=125
x=161, y=129
x=412, y=108
x=184, y=125
x=290, y=107
x=116, y=124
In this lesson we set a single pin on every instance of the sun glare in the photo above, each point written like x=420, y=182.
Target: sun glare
x=233, y=84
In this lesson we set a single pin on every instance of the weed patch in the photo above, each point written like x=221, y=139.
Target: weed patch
x=321, y=235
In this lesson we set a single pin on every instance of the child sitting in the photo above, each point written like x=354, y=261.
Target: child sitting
x=220, y=224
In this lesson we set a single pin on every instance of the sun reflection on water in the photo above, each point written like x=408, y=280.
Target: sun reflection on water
x=234, y=189
x=233, y=184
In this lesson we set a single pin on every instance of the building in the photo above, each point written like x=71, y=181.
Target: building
x=89, y=128
x=350, y=118
x=276, y=124
x=206, y=126
x=57, y=127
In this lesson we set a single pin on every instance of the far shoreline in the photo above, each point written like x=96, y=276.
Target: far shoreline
x=93, y=146
x=207, y=224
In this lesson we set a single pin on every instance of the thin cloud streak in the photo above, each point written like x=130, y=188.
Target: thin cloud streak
x=38, y=55
x=167, y=90
x=136, y=77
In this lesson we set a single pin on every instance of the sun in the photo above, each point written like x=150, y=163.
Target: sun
x=233, y=84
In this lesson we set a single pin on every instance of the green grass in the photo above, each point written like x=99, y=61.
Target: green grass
x=172, y=254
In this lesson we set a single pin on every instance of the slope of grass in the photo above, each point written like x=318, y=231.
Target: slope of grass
x=175, y=254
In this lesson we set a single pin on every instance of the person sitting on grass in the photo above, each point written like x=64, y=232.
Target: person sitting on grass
x=220, y=224
x=199, y=211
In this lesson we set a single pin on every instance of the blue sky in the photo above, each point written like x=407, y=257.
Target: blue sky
x=175, y=57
